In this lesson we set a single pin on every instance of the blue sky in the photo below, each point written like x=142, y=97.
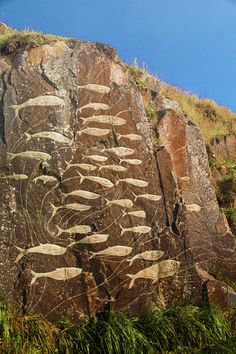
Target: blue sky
x=188, y=43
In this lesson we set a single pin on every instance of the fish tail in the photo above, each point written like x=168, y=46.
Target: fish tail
x=123, y=213
x=35, y=276
x=92, y=255
x=117, y=182
x=120, y=161
x=83, y=120
x=100, y=167
x=11, y=155
x=135, y=196
x=118, y=136
x=122, y=229
x=67, y=163
x=130, y=261
x=83, y=156
x=54, y=208
x=133, y=278
x=108, y=201
x=60, y=231
x=28, y=136
x=81, y=177
x=20, y=255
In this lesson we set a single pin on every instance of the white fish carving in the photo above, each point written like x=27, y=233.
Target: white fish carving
x=72, y=206
x=116, y=251
x=57, y=274
x=138, y=213
x=115, y=168
x=95, y=238
x=104, y=119
x=157, y=271
x=100, y=180
x=193, y=207
x=98, y=158
x=134, y=182
x=120, y=151
x=40, y=101
x=153, y=197
x=95, y=106
x=45, y=179
x=96, y=88
x=94, y=131
x=131, y=161
x=50, y=135
x=47, y=248
x=16, y=176
x=77, y=229
x=147, y=256
x=131, y=137
x=84, y=194
x=125, y=203
x=83, y=166
x=140, y=229
x=31, y=154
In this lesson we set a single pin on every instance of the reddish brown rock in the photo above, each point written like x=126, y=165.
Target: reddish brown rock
x=88, y=201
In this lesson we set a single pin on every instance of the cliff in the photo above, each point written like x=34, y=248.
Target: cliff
x=106, y=192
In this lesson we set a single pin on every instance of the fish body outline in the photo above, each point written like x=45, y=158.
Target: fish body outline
x=155, y=272
x=137, y=213
x=77, y=229
x=100, y=180
x=43, y=100
x=131, y=161
x=140, y=229
x=124, y=203
x=71, y=206
x=45, y=179
x=83, y=194
x=104, y=119
x=16, y=176
x=38, y=155
x=58, y=137
x=115, y=168
x=95, y=238
x=113, y=251
x=152, y=255
x=131, y=137
x=94, y=131
x=57, y=274
x=120, y=151
x=97, y=106
x=99, y=158
x=135, y=182
x=96, y=88
x=152, y=197
x=46, y=248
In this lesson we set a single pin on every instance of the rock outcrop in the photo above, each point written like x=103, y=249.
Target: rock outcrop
x=99, y=203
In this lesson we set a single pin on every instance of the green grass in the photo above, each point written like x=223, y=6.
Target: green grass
x=11, y=40
x=187, y=329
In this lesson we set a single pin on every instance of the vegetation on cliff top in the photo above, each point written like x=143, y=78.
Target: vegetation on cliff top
x=11, y=40
x=188, y=329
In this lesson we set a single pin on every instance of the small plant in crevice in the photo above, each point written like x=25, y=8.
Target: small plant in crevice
x=150, y=111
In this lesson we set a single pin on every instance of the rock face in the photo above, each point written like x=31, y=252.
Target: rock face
x=224, y=146
x=93, y=210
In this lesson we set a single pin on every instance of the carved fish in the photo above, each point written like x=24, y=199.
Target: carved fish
x=116, y=251
x=157, y=271
x=15, y=176
x=104, y=119
x=72, y=206
x=40, y=101
x=131, y=161
x=96, y=87
x=134, y=182
x=50, y=135
x=84, y=194
x=125, y=203
x=45, y=179
x=129, y=136
x=120, y=151
x=31, y=154
x=138, y=214
x=103, y=181
x=77, y=229
x=193, y=207
x=94, y=131
x=140, y=229
x=147, y=256
x=83, y=166
x=153, y=197
x=115, y=168
x=95, y=238
x=99, y=158
x=57, y=274
x=95, y=106
x=47, y=248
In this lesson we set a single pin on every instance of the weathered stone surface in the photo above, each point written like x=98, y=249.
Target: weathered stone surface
x=224, y=147
x=70, y=242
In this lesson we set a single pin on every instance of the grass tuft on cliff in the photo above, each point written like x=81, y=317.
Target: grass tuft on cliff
x=11, y=40
x=176, y=330
x=213, y=119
